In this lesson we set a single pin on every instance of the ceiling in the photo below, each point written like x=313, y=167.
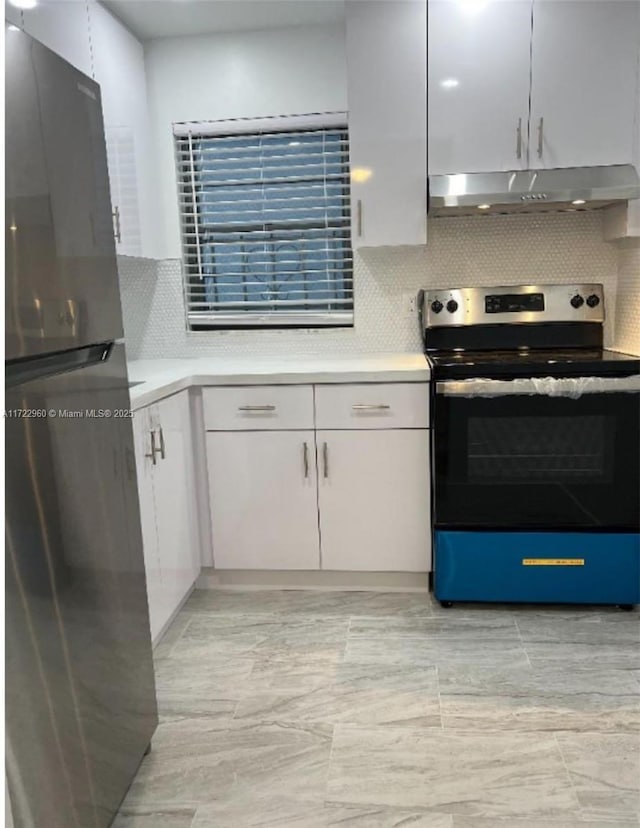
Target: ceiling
x=149, y=19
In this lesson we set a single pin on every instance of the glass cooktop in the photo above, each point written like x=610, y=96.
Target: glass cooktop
x=532, y=362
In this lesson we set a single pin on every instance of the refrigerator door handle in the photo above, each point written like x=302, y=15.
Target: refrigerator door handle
x=19, y=371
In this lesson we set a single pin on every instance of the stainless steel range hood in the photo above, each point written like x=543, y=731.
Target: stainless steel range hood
x=520, y=191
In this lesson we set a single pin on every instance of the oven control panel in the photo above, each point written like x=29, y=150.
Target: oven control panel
x=512, y=304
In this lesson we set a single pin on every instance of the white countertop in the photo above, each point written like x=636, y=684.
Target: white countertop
x=161, y=377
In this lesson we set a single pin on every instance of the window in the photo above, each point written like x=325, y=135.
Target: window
x=266, y=222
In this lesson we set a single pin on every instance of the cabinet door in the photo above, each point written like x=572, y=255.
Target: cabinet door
x=13, y=17
x=263, y=490
x=173, y=487
x=479, y=64
x=387, y=87
x=374, y=500
x=118, y=60
x=63, y=26
x=144, y=468
x=584, y=85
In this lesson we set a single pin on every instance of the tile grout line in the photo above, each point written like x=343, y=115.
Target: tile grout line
x=522, y=644
x=329, y=760
x=580, y=813
x=569, y=779
x=437, y=669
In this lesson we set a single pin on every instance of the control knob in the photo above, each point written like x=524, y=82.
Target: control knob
x=452, y=306
x=577, y=301
x=436, y=306
x=593, y=301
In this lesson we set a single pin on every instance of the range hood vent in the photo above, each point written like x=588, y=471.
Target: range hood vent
x=528, y=191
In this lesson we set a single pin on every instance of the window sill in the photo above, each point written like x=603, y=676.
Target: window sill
x=269, y=321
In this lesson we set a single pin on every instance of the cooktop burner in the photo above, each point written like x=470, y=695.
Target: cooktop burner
x=531, y=362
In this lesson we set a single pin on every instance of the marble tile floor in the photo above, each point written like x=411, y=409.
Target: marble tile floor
x=311, y=709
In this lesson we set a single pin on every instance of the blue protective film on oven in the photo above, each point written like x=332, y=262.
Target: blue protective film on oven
x=537, y=567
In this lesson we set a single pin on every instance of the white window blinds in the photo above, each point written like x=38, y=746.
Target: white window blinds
x=266, y=226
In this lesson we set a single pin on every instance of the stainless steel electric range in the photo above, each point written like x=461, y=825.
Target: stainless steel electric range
x=535, y=447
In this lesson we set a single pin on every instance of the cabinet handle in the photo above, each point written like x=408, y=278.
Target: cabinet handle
x=154, y=450
x=256, y=408
x=359, y=217
x=540, y=137
x=305, y=457
x=162, y=451
x=325, y=459
x=116, y=221
x=367, y=407
x=519, y=139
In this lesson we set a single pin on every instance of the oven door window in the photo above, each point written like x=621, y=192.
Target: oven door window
x=519, y=450
x=537, y=461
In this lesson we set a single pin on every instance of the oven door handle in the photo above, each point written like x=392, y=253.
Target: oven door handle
x=572, y=387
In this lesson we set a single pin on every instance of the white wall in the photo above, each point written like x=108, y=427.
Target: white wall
x=482, y=250
x=234, y=75
x=298, y=70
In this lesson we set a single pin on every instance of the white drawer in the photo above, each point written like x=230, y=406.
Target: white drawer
x=258, y=407
x=384, y=405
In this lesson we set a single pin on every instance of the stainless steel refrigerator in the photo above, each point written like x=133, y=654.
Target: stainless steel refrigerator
x=80, y=694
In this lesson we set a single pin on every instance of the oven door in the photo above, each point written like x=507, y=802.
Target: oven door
x=537, y=453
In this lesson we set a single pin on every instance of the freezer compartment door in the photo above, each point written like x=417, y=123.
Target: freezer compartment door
x=61, y=275
x=538, y=567
x=81, y=705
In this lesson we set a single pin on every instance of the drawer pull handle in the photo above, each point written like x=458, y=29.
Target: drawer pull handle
x=162, y=451
x=376, y=407
x=154, y=450
x=117, y=230
x=325, y=457
x=305, y=456
x=256, y=408
x=541, y=138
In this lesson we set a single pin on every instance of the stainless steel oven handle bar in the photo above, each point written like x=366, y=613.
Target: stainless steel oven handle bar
x=572, y=387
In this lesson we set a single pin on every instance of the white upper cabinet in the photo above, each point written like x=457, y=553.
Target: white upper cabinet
x=478, y=85
x=516, y=84
x=584, y=92
x=92, y=40
x=118, y=66
x=63, y=26
x=386, y=83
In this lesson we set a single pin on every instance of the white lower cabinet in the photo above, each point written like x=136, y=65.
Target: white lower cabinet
x=164, y=461
x=352, y=495
x=263, y=492
x=142, y=440
x=373, y=498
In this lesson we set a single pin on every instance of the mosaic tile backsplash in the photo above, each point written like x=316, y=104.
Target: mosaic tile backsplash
x=482, y=250
x=627, y=331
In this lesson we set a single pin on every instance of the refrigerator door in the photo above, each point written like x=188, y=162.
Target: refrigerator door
x=61, y=277
x=80, y=693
